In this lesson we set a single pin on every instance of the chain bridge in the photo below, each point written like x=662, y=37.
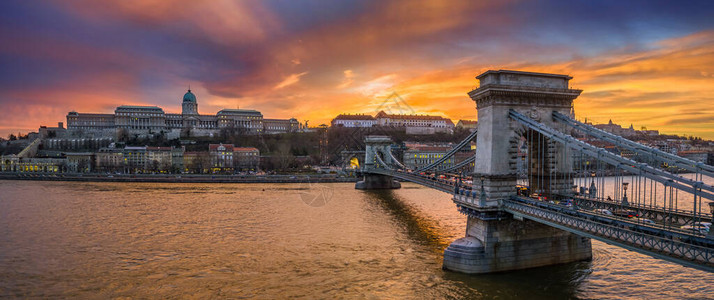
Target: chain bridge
x=570, y=191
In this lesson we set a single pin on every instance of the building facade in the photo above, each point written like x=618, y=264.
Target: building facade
x=142, y=120
x=246, y=158
x=416, y=122
x=347, y=120
x=221, y=158
x=471, y=125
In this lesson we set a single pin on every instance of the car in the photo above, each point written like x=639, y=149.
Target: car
x=705, y=224
x=604, y=211
x=695, y=229
x=625, y=213
x=645, y=221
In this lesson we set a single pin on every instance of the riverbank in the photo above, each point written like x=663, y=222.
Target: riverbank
x=187, y=178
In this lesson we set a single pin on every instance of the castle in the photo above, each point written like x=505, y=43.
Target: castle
x=152, y=120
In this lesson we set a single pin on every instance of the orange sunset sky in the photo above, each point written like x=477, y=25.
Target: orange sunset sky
x=646, y=63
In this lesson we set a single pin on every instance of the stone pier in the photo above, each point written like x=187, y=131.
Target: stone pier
x=509, y=244
x=377, y=182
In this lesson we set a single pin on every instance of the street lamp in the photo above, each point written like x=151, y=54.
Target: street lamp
x=593, y=189
x=710, y=235
x=482, y=198
x=624, y=198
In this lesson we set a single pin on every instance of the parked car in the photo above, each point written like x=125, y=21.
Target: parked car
x=604, y=211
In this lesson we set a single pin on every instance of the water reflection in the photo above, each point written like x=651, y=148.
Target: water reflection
x=419, y=227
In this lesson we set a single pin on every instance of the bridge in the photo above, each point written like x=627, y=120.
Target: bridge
x=571, y=191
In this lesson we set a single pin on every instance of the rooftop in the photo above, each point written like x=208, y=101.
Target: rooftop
x=139, y=107
x=353, y=117
x=237, y=111
x=382, y=114
x=530, y=74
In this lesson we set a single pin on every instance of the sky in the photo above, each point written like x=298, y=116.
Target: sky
x=646, y=63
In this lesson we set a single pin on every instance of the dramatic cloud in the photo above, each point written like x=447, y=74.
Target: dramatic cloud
x=290, y=80
x=649, y=63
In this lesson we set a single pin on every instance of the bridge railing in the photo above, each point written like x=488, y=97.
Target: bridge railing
x=683, y=248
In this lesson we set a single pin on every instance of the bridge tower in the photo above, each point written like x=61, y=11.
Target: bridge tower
x=376, y=147
x=495, y=241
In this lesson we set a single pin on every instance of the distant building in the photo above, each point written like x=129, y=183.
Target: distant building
x=52, y=132
x=617, y=129
x=135, y=159
x=13, y=163
x=159, y=159
x=143, y=120
x=271, y=126
x=695, y=155
x=471, y=125
x=221, y=157
x=109, y=159
x=228, y=158
x=246, y=158
x=347, y=120
x=80, y=162
x=196, y=162
x=417, y=123
x=419, y=155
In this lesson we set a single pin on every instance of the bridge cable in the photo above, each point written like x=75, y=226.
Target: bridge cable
x=459, y=165
x=393, y=158
x=626, y=164
x=451, y=152
x=659, y=155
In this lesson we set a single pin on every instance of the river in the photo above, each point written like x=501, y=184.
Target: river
x=102, y=240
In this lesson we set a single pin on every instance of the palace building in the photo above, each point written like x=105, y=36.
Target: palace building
x=147, y=120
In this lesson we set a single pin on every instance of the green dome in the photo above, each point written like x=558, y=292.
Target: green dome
x=189, y=97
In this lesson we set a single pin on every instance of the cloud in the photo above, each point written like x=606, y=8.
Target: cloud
x=290, y=80
x=380, y=86
x=348, y=80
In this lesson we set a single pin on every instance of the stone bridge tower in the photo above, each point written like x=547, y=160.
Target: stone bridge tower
x=536, y=95
x=377, y=145
x=494, y=240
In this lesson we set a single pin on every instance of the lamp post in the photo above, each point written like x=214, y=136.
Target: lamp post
x=624, y=197
x=482, y=198
x=710, y=235
x=593, y=189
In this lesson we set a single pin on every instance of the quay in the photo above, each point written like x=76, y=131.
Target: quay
x=183, y=178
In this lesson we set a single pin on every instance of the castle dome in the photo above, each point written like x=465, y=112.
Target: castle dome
x=189, y=97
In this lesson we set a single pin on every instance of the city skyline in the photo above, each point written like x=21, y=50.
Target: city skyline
x=643, y=63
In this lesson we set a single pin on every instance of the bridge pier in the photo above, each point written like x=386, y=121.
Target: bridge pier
x=377, y=182
x=494, y=240
x=509, y=244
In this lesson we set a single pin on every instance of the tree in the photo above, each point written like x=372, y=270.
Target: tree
x=12, y=137
x=284, y=156
x=204, y=162
x=122, y=135
x=154, y=165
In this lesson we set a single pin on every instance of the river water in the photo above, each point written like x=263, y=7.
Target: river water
x=271, y=241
